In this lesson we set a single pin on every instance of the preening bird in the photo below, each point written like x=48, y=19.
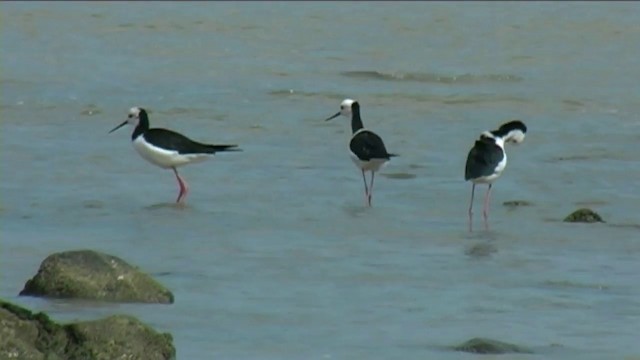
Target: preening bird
x=487, y=160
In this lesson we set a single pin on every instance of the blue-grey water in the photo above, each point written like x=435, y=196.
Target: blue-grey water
x=275, y=255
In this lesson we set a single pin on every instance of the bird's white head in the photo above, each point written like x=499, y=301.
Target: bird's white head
x=134, y=115
x=512, y=132
x=133, y=118
x=345, y=109
x=515, y=137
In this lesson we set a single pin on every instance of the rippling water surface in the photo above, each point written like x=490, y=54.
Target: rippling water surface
x=275, y=256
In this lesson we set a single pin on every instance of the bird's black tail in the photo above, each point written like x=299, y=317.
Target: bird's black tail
x=217, y=148
x=393, y=155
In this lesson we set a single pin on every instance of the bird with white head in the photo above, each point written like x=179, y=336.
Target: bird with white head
x=487, y=160
x=166, y=148
x=367, y=149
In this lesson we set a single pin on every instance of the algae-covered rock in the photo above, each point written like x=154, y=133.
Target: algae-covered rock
x=28, y=336
x=119, y=337
x=87, y=274
x=516, y=203
x=584, y=215
x=489, y=346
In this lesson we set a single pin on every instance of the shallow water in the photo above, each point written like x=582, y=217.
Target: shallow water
x=275, y=256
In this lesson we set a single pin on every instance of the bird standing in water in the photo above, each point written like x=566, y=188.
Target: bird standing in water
x=168, y=149
x=366, y=147
x=487, y=160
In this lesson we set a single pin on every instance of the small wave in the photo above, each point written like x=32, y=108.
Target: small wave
x=626, y=226
x=481, y=98
x=454, y=99
x=434, y=78
x=596, y=155
x=382, y=98
x=162, y=273
x=572, y=102
x=587, y=203
x=565, y=284
x=178, y=111
x=292, y=92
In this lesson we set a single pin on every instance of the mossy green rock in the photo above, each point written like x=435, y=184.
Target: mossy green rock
x=119, y=337
x=584, y=215
x=87, y=274
x=489, y=346
x=28, y=336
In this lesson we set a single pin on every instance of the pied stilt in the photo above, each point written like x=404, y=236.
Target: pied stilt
x=167, y=149
x=487, y=160
x=367, y=149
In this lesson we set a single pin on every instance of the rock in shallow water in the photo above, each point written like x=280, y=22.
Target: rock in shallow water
x=517, y=203
x=28, y=336
x=481, y=250
x=120, y=337
x=489, y=346
x=87, y=274
x=584, y=215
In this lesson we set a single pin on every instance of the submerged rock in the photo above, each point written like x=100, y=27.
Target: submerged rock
x=584, y=215
x=481, y=250
x=516, y=203
x=489, y=346
x=399, y=175
x=87, y=274
x=28, y=336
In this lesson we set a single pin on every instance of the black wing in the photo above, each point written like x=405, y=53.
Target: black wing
x=366, y=145
x=483, y=159
x=172, y=140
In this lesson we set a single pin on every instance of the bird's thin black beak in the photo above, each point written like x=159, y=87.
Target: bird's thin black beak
x=333, y=117
x=118, y=127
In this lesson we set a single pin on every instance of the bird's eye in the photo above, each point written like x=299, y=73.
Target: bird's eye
x=130, y=116
x=341, y=107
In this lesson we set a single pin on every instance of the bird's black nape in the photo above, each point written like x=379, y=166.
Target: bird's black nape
x=356, y=120
x=144, y=118
x=507, y=127
x=143, y=124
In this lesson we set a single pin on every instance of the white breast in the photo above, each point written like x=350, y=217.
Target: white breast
x=371, y=165
x=165, y=158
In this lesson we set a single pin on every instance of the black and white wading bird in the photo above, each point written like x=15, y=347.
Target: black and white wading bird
x=367, y=149
x=487, y=160
x=168, y=149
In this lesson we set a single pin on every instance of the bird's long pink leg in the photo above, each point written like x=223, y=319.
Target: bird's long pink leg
x=184, y=188
x=473, y=189
x=373, y=174
x=366, y=190
x=485, y=210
